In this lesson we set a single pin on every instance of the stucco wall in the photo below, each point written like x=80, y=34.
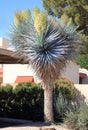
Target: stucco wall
x=11, y=71
x=71, y=71
x=83, y=89
x=4, y=43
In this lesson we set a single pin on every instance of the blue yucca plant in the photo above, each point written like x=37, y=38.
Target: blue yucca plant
x=46, y=45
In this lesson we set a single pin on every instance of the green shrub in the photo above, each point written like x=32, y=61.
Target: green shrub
x=60, y=107
x=26, y=100
x=71, y=120
x=66, y=87
x=64, y=93
x=29, y=100
x=82, y=121
x=78, y=119
x=27, y=84
x=6, y=97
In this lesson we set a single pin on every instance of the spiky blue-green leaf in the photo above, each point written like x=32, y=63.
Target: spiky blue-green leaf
x=46, y=53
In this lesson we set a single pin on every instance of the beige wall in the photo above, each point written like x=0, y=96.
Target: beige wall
x=83, y=89
x=4, y=43
x=71, y=71
x=11, y=71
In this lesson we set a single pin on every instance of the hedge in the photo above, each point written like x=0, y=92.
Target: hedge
x=26, y=101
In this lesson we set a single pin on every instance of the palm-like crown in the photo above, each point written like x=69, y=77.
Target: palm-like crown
x=45, y=44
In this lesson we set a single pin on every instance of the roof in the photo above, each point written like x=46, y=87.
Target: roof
x=82, y=75
x=83, y=70
x=9, y=57
x=21, y=79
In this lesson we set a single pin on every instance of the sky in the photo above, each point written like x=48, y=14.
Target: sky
x=9, y=7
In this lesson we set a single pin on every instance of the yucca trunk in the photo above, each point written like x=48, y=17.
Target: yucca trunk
x=48, y=105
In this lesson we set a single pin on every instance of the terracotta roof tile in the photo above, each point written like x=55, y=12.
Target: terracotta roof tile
x=21, y=79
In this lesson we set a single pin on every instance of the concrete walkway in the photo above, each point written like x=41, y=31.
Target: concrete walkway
x=34, y=126
x=29, y=125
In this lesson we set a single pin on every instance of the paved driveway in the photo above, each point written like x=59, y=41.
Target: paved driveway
x=14, y=124
x=34, y=127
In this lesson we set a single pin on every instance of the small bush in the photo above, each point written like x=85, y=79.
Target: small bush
x=60, y=107
x=66, y=87
x=78, y=120
x=25, y=84
x=29, y=101
x=64, y=93
x=82, y=121
x=71, y=120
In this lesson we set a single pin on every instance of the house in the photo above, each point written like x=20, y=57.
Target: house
x=13, y=71
x=4, y=43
